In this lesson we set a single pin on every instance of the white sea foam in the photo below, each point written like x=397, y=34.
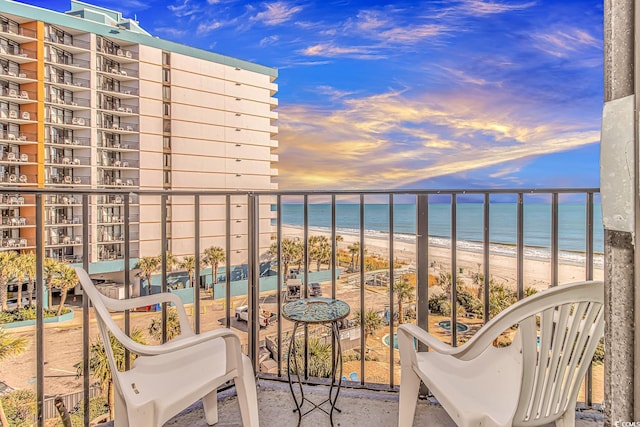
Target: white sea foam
x=530, y=252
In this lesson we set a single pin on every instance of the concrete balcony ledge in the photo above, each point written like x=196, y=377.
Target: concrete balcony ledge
x=359, y=408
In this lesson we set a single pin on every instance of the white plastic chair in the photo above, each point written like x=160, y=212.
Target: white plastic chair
x=531, y=382
x=165, y=379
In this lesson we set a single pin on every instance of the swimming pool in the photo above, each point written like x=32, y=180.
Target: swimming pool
x=446, y=325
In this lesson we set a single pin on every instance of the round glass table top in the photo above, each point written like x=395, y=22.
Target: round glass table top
x=315, y=310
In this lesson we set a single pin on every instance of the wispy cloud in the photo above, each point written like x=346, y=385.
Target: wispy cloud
x=564, y=42
x=183, y=9
x=480, y=8
x=330, y=50
x=269, y=40
x=171, y=31
x=207, y=27
x=391, y=140
x=276, y=13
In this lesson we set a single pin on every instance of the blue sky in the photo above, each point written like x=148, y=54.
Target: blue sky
x=412, y=94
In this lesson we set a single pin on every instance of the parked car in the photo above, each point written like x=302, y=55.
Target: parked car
x=315, y=290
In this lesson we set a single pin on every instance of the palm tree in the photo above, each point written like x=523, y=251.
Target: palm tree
x=51, y=268
x=173, y=325
x=319, y=357
x=404, y=292
x=372, y=321
x=290, y=253
x=8, y=271
x=9, y=346
x=64, y=280
x=213, y=256
x=354, y=250
x=320, y=250
x=27, y=263
x=99, y=363
x=172, y=261
x=147, y=266
x=189, y=263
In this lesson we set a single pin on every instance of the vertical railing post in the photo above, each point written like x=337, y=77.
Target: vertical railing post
x=520, y=245
x=422, y=260
x=363, y=341
x=280, y=279
x=39, y=310
x=196, y=273
x=391, y=290
x=163, y=263
x=486, y=256
x=554, y=239
x=305, y=276
x=85, y=312
x=227, y=269
x=254, y=278
x=454, y=271
x=127, y=278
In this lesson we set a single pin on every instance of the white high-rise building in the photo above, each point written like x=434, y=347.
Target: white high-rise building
x=88, y=99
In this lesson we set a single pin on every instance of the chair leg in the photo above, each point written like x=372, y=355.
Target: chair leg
x=121, y=417
x=409, y=388
x=247, y=394
x=210, y=403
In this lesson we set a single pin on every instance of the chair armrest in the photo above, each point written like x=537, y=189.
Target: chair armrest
x=180, y=343
x=414, y=331
x=128, y=304
x=131, y=303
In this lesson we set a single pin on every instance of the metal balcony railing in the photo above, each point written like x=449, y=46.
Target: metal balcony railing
x=457, y=236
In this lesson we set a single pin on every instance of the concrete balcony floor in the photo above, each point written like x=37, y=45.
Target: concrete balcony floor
x=359, y=408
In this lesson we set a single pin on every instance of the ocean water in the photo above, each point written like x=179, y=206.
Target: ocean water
x=469, y=224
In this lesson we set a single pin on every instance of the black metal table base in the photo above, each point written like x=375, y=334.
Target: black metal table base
x=335, y=385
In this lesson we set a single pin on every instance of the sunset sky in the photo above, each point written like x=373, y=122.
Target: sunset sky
x=445, y=94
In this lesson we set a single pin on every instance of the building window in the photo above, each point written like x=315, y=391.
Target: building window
x=166, y=109
x=166, y=75
x=166, y=92
x=166, y=125
x=166, y=142
x=166, y=58
x=166, y=160
x=167, y=177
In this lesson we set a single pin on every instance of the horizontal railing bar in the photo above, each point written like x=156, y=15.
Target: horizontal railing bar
x=513, y=191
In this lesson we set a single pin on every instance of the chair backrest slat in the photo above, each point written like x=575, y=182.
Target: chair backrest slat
x=555, y=364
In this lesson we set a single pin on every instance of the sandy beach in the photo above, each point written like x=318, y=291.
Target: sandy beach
x=502, y=264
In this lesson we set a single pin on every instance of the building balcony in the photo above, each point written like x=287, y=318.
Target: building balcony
x=74, y=142
x=67, y=64
x=18, y=34
x=71, y=45
x=123, y=92
x=18, y=138
x=120, y=55
x=19, y=76
x=432, y=236
x=120, y=111
x=18, y=116
x=68, y=162
x=68, y=122
x=17, y=54
x=73, y=84
x=17, y=179
x=117, y=164
x=18, y=96
x=75, y=104
x=120, y=74
x=119, y=128
x=67, y=180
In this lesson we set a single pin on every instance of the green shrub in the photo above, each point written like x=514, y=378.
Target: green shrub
x=19, y=407
x=439, y=304
x=28, y=313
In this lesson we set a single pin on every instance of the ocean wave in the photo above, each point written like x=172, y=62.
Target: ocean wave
x=530, y=252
